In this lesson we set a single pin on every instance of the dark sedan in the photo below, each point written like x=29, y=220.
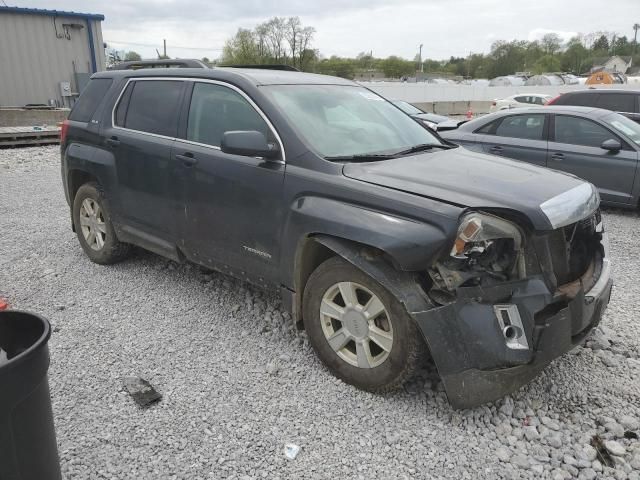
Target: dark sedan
x=595, y=144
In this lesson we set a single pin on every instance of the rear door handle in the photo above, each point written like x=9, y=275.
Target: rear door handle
x=558, y=157
x=113, y=141
x=187, y=159
x=496, y=149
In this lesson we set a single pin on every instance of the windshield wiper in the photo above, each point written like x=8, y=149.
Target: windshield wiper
x=422, y=147
x=363, y=157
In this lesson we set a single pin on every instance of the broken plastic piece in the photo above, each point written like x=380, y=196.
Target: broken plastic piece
x=3, y=304
x=141, y=391
x=291, y=451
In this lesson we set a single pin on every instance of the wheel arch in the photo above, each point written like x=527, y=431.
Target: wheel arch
x=378, y=264
x=75, y=179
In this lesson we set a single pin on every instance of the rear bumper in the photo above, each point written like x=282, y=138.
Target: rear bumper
x=466, y=339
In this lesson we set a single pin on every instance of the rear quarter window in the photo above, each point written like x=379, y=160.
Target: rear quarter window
x=618, y=102
x=151, y=106
x=90, y=99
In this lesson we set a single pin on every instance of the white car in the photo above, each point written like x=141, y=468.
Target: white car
x=520, y=100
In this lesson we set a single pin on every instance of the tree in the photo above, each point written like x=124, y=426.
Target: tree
x=574, y=58
x=601, y=43
x=241, y=48
x=551, y=43
x=547, y=64
x=132, y=56
x=396, y=67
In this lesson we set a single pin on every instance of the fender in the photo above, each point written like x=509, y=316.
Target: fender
x=405, y=286
x=411, y=244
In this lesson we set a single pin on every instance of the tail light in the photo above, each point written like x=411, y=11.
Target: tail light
x=553, y=100
x=64, y=128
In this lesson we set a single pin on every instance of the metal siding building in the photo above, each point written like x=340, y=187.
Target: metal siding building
x=41, y=49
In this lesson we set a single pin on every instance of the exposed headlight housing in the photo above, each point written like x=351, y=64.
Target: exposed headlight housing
x=477, y=231
x=572, y=205
x=487, y=249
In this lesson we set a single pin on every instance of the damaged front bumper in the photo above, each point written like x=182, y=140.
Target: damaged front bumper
x=493, y=340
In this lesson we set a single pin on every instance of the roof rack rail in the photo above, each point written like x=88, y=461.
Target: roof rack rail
x=160, y=63
x=287, y=68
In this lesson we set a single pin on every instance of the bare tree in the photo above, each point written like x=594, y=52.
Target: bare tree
x=304, y=42
x=293, y=33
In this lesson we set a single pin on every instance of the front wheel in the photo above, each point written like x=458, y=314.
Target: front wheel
x=358, y=329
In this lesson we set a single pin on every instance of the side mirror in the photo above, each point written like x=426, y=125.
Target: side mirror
x=249, y=143
x=611, y=145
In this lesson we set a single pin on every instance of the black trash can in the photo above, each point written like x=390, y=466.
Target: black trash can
x=28, y=448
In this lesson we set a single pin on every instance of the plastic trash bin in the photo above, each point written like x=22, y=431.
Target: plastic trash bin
x=28, y=448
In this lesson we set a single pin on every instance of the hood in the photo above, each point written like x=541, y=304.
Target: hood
x=469, y=179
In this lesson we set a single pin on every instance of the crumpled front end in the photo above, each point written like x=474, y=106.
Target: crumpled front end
x=511, y=302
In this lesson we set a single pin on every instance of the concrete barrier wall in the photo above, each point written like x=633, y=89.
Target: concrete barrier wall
x=459, y=99
x=16, y=117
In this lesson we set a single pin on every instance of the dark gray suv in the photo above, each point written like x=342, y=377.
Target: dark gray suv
x=385, y=241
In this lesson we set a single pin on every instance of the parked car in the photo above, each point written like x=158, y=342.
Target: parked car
x=431, y=120
x=520, y=100
x=600, y=146
x=625, y=102
x=378, y=235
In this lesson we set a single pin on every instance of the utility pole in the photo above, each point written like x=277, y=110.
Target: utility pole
x=420, y=59
x=165, y=48
x=636, y=27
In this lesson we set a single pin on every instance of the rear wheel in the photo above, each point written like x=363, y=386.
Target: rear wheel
x=93, y=226
x=358, y=329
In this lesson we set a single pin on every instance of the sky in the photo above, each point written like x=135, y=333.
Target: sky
x=199, y=28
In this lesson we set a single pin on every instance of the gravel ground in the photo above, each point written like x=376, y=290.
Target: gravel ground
x=239, y=383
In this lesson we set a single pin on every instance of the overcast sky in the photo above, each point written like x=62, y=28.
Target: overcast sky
x=347, y=27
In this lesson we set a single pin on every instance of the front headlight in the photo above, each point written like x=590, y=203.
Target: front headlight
x=479, y=231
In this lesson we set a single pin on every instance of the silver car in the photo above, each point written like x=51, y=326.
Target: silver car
x=595, y=144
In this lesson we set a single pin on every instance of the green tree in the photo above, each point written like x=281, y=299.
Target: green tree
x=396, y=67
x=132, y=56
x=547, y=64
x=242, y=48
x=601, y=43
x=575, y=57
x=336, y=66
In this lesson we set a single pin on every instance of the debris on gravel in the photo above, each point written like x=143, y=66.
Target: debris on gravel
x=239, y=381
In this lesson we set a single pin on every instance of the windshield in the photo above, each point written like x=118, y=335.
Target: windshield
x=407, y=107
x=625, y=126
x=343, y=121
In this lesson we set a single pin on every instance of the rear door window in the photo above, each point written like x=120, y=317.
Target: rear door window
x=580, y=131
x=91, y=97
x=216, y=109
x=152, y=107
x=618, y=102
x=530, y=127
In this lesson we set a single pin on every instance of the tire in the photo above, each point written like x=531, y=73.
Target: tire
x=381, y=371
x=103, y=247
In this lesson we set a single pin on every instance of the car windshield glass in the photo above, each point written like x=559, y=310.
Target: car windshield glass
x=626, y=127
x=343, y=121
x=406, y=107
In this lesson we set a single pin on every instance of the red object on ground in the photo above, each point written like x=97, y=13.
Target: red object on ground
x=469, y=114
x=3, y=304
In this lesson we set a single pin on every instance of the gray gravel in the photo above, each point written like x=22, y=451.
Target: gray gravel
x=239, y=383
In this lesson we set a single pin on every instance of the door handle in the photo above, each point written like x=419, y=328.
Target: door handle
x=113, y=141
x=558, y=157
x=496, y=149
x=187, y=159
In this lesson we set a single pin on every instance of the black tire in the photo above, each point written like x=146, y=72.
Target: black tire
x=112, y=250
x=408, y=346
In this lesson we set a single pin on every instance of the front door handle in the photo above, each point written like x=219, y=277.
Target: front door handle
x=187, y=159
x=558, y=157
x=113, y=141
x=496, y=149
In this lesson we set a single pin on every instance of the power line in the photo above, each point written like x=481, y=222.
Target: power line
x=157, y=45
